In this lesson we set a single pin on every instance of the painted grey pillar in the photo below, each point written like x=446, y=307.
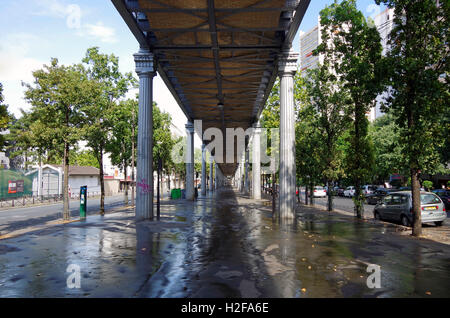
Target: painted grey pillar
x=241, y=176
x=203, y=169
x=247, y=168
x=256, y=164
x=287, y=67
x=211, y=174
x=190, y=192
x=145, y=69
x=216, y=179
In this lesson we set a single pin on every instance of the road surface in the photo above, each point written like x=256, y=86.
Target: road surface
x=19, y=218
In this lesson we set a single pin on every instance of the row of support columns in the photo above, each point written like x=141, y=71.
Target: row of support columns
x=146, y=70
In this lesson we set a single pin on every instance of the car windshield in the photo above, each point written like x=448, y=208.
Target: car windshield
x=429, y=198
x=318, y=188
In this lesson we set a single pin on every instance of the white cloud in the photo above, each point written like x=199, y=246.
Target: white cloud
x=16, y=66
x=98, y=31
x=73, y=15
x=56, y=8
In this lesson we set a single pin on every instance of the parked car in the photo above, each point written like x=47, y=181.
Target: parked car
x=397, y=206
x=408, y=189
x=445, y=197
x=334, y=191
x=378, y=195
x=340, y=192
x=320, y=192
x=368, y=189
x=349, y=192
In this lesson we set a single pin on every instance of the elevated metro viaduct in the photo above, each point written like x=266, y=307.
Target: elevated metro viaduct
x=219, y=59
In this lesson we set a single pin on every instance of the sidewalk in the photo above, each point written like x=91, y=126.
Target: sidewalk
x=438, y=234
x=223, y=245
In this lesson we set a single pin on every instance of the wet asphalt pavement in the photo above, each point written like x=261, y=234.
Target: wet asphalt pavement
x=223, y=245
x=22, y=217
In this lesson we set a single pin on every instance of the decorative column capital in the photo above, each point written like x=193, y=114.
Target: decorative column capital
x=257, y=129
x=190, y=128
x=287, y=63
x=145, y=63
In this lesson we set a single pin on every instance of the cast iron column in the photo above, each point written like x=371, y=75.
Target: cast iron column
x=190, y=192
x=247, y=167
x=203, y=169
x=287, y=67
x=146, y=70
x=256, y=164
x=211, y=174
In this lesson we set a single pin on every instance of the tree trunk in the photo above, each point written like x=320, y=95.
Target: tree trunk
x=330, y=196
x=357, y=200
x=125, y=198
x=311, y=193
x=102, y=184
x=306, y=193
x=66, y=211
x=417, y=213
x=273, y=197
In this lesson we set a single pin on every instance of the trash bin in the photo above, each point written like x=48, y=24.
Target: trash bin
x=83, y=202
x=173, y=194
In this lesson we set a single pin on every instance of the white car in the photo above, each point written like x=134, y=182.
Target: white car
x=349, y=192
x=320, y=192
x=368, y=189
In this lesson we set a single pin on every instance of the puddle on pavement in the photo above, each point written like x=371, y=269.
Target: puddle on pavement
x=223, y=247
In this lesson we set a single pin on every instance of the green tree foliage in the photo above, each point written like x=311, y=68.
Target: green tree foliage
x=5, y=118
x=84, y=158
x=309, y=145
x=325, y=108
x=123, y=136
x=57, y=95
x=163, y=141
x=356, y=47
x=109, y=86
x=384, y=133
x=419, y=81
x=120, y=142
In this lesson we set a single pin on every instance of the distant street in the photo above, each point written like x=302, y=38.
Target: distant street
x=18, y=218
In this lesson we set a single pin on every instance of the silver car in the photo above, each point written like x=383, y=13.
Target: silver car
x=397, y=206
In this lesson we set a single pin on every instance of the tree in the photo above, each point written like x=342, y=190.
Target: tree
x=356, y=48
x=388, y=153
x=308, y=146
x=57, y=95
x=109, y=86
x=120, y=145
x=84, y=158
x=419, y=81
x=4, y=118
x=326, y=111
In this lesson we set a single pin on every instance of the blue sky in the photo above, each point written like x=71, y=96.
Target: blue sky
x=33, y=31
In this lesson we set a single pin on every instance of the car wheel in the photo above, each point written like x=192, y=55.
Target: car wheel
x=405, y=221
x=439, y=223
x=377, y=216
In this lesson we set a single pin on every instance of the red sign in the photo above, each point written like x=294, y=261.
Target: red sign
x=12, y=187
x=15, y=186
